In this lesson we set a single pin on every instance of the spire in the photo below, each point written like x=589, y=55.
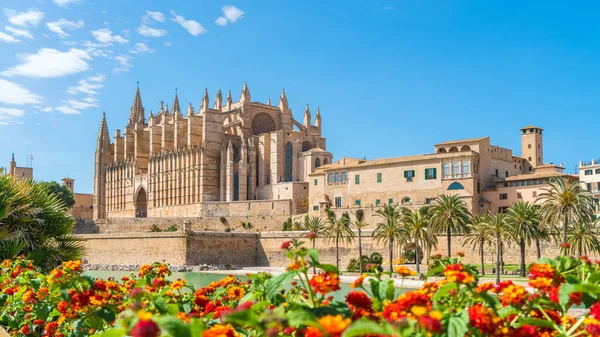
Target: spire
x=205, y=101
x=218, y=101
x=190, y=109
x=137, y=109
x=176, y=109
x=229, y=100
x=307, y=116
x=283, y=102
x=103, y=137
x=245, y=96
x=269, y=101
x=318, y=121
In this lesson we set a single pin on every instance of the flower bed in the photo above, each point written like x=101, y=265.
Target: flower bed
x=66, y=303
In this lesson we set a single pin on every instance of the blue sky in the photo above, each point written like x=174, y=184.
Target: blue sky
x=391, y=77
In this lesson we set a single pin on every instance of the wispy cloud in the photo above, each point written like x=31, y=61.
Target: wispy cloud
x=192, y=26
x=156, y=16
x=8, y=38
x=123, y=63
x=61, y=25
x=31, y=17
x=148, y=31
x=67, y=110
x=106, y=37
x=88, y=85
x=8, y=115
x=141, y=48
x=86, y=103
x=64, y=3
x=47, y=63
x=19, y=32
x=47, y=109
x=232, y=13
x=13, y=93
x=221, y=21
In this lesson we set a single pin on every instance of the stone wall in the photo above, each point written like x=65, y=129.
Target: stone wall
x=216, y=248
x=257, y=208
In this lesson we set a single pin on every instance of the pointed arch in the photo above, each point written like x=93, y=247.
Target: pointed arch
x=141, y=203
x=317, y=163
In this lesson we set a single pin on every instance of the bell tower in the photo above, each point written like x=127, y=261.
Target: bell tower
x=532, y=145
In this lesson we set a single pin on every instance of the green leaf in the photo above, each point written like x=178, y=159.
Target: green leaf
x=161, y=305
x=588, y=300
x=35, y=283
x=594, y=277
x=174, y=326
x=563, y=294
x=299, y=318
x=443, y=291
x=110, y=333
x=196, y=328
x=434, y=271
x=386, y=289
x=107, y=314
x=313, y=254
x=89, y=280
x=458, y=325
x=328, y=268
x=187, y=307
x=364, y=327
x=507, y=311
x=42, y=312
x=541, y=323
x=173, y=309
x=94, y=322
x=243, y=318
x=490, y=300
x=275, y=284
x=334, y=308
x=587, y=288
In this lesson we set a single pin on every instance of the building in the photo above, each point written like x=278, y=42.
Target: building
x=243, y=158
x=589, y=176
x=83, y=208
x=23, y=173
x=485, y=176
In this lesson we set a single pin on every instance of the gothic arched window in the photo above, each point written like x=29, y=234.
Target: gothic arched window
x=288, y=162
x=317, y=163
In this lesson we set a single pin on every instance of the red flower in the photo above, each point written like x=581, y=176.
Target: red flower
x=324, y=283
x=311, y=236
x=565, y=245
x=431, y=322
x=595, y=310
x=51, y=328
x=358, y=300
x=289, y=330
x=285, y=245
x=460, y=254
x=145, y=328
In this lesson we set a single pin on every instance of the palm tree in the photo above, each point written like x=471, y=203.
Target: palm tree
x=478, y=236
x=360, y=224
x=523, y=219
x=35, y=223
x=562, y=203
x=389, y=230
x=314, y=226
x=416, y=225
x=543, y=234
x=449, y=214
x=500, y=230
x=583, y=238
x=338, y=230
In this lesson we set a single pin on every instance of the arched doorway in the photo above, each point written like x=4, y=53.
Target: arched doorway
x=141, y=204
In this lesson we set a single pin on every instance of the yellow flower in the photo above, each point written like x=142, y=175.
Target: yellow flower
x=403, y=271
x=72, y=265
x=144, y=315
x=418, y=310
x=236, y=293
x=334, y=325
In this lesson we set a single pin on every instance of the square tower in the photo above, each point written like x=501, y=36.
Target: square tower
x=531, y=145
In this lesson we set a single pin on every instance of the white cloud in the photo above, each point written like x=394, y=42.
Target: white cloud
x=22, y=19
x=124, y=64
x=8, y=38
x=88, y=85
x=67, y=110
x=19, y=32
x=106, y=37
x=148, y=31
x=13, y=93
x=141, y=48
x=61, y=24
x=221, y=21
x=88, y=102
x=232, y=13
x=193, y=27
x=47, y=109
x=156, y=16
x=64, y=3
x=11, y=112
x=51, y=63
x=168, y=44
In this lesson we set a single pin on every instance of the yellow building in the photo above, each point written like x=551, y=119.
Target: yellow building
x=485, y=176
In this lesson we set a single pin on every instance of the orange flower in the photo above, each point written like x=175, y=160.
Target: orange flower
x=403, y=271
x=178, y=284
x=486, y=321
x=324, y=283
x=72, y=265
x=484, y=287
x=333, y=326
x=456, y=273
x=219, y=330
x=145, y=270
x=514, y=294
x=235, y=293
x=359, y=281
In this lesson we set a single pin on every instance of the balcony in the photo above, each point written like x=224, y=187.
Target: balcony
x=459, y=176
x=589, y=163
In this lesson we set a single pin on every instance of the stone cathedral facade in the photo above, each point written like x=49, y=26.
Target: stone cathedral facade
x=239, y=158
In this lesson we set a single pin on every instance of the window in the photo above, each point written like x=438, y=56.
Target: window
x=357, y=202
x=534, y=194
x=409, y=175
x=519, y=196
x=429, y=200
x=529, y=146
x=337, y=178
x=456, y=186
x=316, y=182
x=503, y=196
x=496, y=173
x=344, y=177
x=315, y=208
x=597, y=171
x=589, y=186
x=455, y=169
x=357, y=179
x=465, y=167
x=430, y=173
x=317, y=163
x=377, y=202
x=529, y=158
x=506, y=174
x=598, y=186
x=446, y=170
x=338, y=202
x=478, y=187
x=390, y=201
x=502, y=209
x=379, y=177
x=406, y=201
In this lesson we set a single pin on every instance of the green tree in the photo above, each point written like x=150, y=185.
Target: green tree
x=62, y=192
x=360, y=224
x=315, y=227
x=389, y=229
x=582, y=238
x=449, y=214
x=501, y=231
x=478, y=236
x=338, y=230
x=35, y=223
x=416, y=225
x=523, y=219
x=562, y=203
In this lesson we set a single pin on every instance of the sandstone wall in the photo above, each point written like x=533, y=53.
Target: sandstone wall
x=223, y=248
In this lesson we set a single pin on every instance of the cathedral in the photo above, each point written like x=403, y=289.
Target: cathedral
x=239, y=158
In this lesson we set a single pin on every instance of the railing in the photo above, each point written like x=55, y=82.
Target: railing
x=459, y=175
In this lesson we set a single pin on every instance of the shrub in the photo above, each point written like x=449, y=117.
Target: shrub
x=223, y=220
x=227, y=229
x=173, y=228
x=410, y=256
x=155, y=228
x=376, y=258
x=353, y=266
x=287, y=225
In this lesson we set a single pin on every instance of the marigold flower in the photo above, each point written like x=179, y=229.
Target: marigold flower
x=311, y=236
x=595, y=310
x=235, y=293
x=404, y=271
x=460, y=254
x=359, y=281
x=485, y=320
x=325, y=282
x=431, y=322
x=72, y=265
x=25, y=329
x=219, y=330
x=485, y=287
